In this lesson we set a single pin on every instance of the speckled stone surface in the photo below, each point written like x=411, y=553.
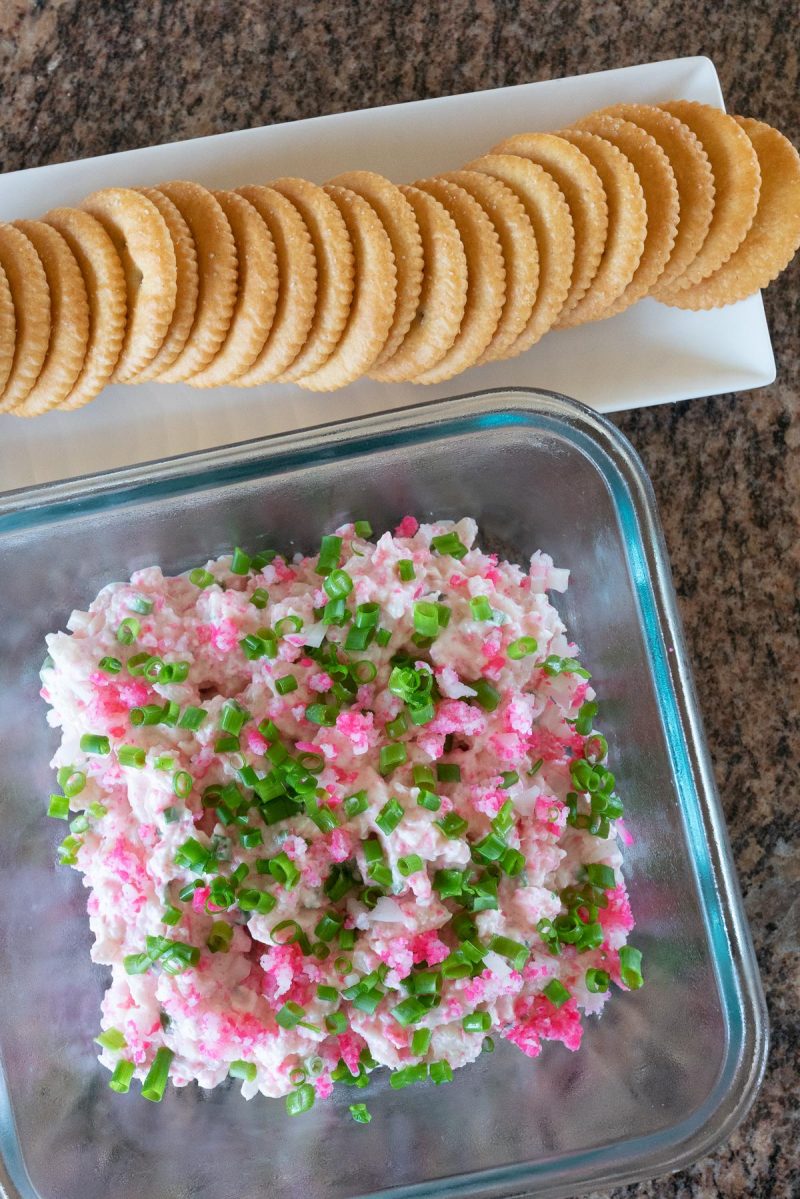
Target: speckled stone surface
x=79, y=78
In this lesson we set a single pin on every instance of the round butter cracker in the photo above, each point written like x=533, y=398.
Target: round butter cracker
x=627, y=227
x=374, y=295
x=106, y=291
x=693, y=177
x=69, y=320
x=217, y=277
x=187, y=285
x=584, y=193
x=335, y=273
x=297, y=286
x=442, y=299
x=520, y=256
x=774, y=236
x=737, y=179
x=145, y=248
x=486, y=280
x=400, y=223
x=551, y=220
x=660, y=196
x=257, y=294
x=30, y=295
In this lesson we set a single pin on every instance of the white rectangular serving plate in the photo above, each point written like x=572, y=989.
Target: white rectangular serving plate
x=650, y=354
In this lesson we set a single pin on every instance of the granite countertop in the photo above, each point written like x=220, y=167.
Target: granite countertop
x=726, y=470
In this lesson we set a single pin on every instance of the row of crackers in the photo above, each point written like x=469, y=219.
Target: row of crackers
x=319, y=285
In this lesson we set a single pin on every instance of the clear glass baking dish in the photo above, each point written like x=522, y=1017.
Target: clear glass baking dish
x=661, y=1078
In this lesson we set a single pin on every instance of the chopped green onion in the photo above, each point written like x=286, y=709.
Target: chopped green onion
x=512, y=862
x=426, y=618
x=286, y=623
x=327, y=994
x=362, y=528
x=411, y=864
x=485, y=694
x=364, y=671
x=233, y=717
x=95, y=743
x=421, y=1041
x=449, y=543
x=290, y=1015
x=71, y=781
x=408, y=1076
x=449, y=883
x=509, y=777
x=171, y=916
x=630, y=967
x=301, y=1100
x=360, y=1113
x=110, y=665
x=182, y=783
x=389, y=816
x=120, y=1080
x=149, y=714
x=200, y=577
x=112, y=1039
x=395, y=728
x=354, y=805
x=97, y=810
x=556, y=992
x=128, y=630
x=323, y=714
x=601, y=876
x=358, y=639
x=487, y=1045
x=405, y=570
x=427, y=799
x=260, y=598
x=490, y=849
x=131, y=755
x=504, y=820
x=156, y=1077
x=452, y=825
x=522, y=648
x=251, y=838
x=286, y=684
x=514, y=951
x=240, y=562
x=263, y=559
x=244, y=1070
x=390, y=757
x=140, y=604
x=553, y=665
x=336, y=1022
x=383, y=636
x=476, y=1022
x=58, y=807
x=409, y=1011
x=329, y=554
x=250, y=899
x=441, y=1072
x=448, y=772
x=481, y=608
x=597, y=981
x=367, y=616
x=220, y=936
x=284, y=870
x=137, y=963
x=79, y=825
x=137, y=663
x=536, y=767
x=192, y=718
x=192, y=856
x=338, y=584
x=328, y=926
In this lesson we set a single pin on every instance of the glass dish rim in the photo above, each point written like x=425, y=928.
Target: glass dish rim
x=615, y=459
